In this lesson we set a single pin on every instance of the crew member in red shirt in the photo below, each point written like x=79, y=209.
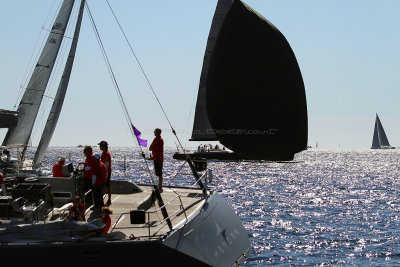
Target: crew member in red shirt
x=99, y=177
x=106, y=212
x=106, y=159
x=77, y=210
x=57, y=167
x=157, y=149
x=106, y=219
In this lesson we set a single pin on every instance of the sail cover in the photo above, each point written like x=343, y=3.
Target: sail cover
x=255, y=94
x=30, y=103
x=380, y=139
x=8, y=119
x=202, y=130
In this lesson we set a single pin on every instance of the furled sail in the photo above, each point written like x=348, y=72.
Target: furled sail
x=30, y=103
x=202, y=130
x=380, y=139
x=255, y=94
x=60, y=95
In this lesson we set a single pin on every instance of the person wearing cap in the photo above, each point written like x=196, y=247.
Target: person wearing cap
x=57, y=167
x=157, y=149
x=106, y=159
x=99, y=176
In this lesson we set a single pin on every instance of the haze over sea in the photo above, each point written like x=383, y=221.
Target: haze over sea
x=327, y=207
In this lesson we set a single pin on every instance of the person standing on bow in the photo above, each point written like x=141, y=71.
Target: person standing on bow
x=157, y=149
x=99, y=176
x=106, y=159
x=57, y=167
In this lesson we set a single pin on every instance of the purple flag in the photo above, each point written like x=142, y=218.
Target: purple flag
x=141, y=142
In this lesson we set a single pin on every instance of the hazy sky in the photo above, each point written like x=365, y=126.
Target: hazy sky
x=348, y=52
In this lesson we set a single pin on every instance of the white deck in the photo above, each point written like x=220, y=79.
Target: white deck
x=178, y=209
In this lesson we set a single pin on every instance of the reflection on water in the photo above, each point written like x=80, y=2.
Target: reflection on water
x=330, y=207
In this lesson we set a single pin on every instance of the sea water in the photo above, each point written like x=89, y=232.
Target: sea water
x=327, y=207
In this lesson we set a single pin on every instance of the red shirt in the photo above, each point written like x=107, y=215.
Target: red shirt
x=57, y=169
x=106, y=157
x=157, y=147
x=78, y=211
x=100, y=171
x=89, y=162
x=107, y=220
x=1, y=179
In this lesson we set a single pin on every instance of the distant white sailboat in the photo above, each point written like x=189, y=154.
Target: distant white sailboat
x=380, y=140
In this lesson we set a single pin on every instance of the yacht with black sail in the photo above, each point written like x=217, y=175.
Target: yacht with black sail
x=251, y=96
x=380, y=140
x=181, y=226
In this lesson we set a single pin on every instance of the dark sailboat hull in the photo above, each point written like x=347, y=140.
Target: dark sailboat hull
x=214, y=237
x=212, y=155
x=135, y=253
x=223, y=155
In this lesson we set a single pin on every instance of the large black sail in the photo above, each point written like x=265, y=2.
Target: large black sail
x=256, y=100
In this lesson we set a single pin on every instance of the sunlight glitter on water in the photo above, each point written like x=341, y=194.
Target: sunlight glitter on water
x=330, y=207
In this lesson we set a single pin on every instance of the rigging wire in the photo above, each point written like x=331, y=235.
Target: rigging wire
x=118, y=91
x=148, y=81
x=190, y=113
x=188, y=159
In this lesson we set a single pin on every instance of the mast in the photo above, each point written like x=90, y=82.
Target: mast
x=30, y=103
x=60, y=95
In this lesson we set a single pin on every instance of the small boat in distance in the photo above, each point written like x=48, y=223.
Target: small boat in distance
x=380, y=140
